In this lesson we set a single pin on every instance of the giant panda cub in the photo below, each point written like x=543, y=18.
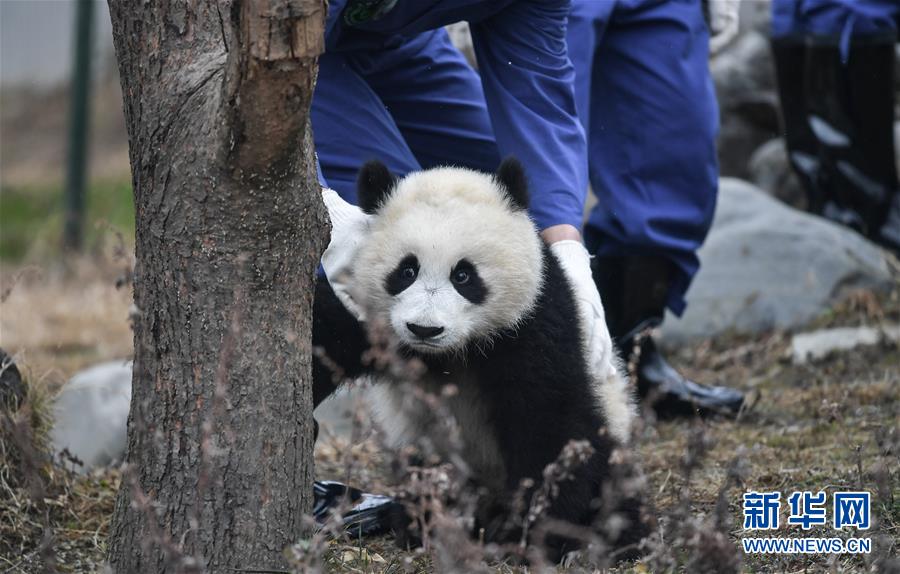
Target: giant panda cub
x=454, y=270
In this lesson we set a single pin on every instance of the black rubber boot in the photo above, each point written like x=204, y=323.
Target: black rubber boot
x=839, y=125
x=802, y=148
x=364, y=515
x=634, y=292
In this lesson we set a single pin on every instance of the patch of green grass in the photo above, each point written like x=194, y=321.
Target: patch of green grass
x=31, y=218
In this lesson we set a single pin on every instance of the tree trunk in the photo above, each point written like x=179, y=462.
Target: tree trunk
x=230, y=228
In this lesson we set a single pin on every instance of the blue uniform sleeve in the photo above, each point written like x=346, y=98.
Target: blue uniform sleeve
x=529, y=87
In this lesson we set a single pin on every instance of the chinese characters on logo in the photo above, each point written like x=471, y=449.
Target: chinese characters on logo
x=851, y=509
x=808, y=509
x=761, y=510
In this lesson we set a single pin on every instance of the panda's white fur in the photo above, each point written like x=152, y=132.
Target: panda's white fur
x=618, y=404
x=404, y=422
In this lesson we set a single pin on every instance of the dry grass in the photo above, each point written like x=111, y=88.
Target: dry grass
x=828, y=425
x=56, y=319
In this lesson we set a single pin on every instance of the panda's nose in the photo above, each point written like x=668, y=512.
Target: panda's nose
x=424, y=332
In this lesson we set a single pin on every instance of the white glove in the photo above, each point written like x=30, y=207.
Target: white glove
x=724, y=23
x=576, y=262
x=603, y=363
x=349, y=227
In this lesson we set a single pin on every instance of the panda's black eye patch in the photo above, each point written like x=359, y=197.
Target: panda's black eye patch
x=402, y=276
x=467, y=282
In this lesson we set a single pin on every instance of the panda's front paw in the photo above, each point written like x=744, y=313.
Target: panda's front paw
x=407, y=532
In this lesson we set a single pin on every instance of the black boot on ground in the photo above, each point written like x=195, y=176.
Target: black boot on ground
x=634, y=292
x=364, y=514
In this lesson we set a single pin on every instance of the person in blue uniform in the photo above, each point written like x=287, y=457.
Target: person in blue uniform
x=392, y=86
x=632, y=74
x=835, y=62
x=646, y=99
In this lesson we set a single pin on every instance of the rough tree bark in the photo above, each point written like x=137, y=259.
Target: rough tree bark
x=230, y=228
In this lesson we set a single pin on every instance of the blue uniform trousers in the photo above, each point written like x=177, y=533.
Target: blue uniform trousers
x=415, y=105
x=841, y=19
x=834, y=17
x=642, y=92
x=646, y=98
x=393, y=88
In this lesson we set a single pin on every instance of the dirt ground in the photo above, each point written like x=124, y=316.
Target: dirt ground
x=830, y=425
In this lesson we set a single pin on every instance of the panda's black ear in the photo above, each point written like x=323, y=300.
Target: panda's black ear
x=511, y=177
x=373, y=184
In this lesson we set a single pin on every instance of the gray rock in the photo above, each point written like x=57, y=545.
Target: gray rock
x=767, y=266
x=770, y=171
x=818, y=344
x=91, y=415
x=757, y=16
x=744, y=76
x=738, y=139
x=743, y=70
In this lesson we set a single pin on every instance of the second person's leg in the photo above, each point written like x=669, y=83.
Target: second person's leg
x=652, y=125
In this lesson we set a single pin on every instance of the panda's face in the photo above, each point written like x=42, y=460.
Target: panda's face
x=434, y=300
x=449, y=261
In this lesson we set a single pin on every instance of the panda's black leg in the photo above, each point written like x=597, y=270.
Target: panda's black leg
x=406, y=532
x=532, y=436
x=323, y=382
x=339, y=342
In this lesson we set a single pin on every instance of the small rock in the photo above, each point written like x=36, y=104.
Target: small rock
x=767, y=266
x=738, y=139
x=757, y=16
x=818, y=344
x=770, y=171
x=744, y=76
x=744, y=70
x=91, y=415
